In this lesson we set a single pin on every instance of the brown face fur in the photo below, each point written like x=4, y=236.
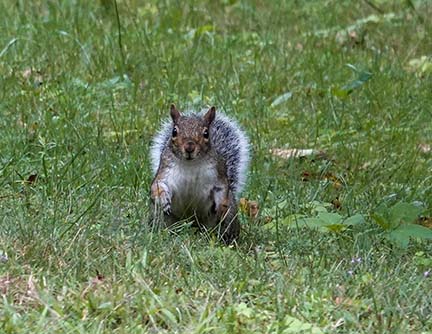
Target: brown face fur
x=190, y=136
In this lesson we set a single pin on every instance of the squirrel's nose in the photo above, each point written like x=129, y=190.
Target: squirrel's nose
x=190, y=147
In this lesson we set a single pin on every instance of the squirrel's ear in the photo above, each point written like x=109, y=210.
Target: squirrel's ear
x=175, y=114
x=210, y=115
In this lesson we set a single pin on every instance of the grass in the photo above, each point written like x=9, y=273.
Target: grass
x=77, y=116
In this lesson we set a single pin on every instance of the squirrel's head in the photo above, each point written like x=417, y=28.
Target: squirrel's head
x=190, y=133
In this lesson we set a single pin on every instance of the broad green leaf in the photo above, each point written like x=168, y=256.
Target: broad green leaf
x=281, y=99
x=403, y=213
x=289, y=220
x=354, y=220
x=339, y=92
x=296, y=326
x=324, y=222
x=345, y=90
x=405, y=232
x=319, y=209
x=363, y=77
x=168, y=316
x=244, y=310
x=415, y=231
x=336, y=227
x=380, y=220
x=399, y=239
x=329, y=218
x=317, y=206
x=310, y=222
x=292, y=219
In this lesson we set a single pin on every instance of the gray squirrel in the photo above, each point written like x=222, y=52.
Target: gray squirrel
x=200, y=163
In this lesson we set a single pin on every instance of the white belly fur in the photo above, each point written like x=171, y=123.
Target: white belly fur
x=190, y=183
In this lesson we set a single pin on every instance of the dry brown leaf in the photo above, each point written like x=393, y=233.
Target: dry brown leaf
x=21, y=291
x=35, y=75
x=425, y=221
x=336, y=181
x=253, y=209
x=249, y=208
x=337, y=204
x=31, y=288
x=32, y=178
x=5, y=282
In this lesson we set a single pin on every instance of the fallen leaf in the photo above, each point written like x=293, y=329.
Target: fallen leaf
x=297, y=153
x=388, y=17
x=253, y=209
x=5, y=282
x=27, y=73
x=342, y=301
x=424, y=148
x=420, y=66
x=336, y=182
x=281, y=99
x=337, y=204
x=249, y=208
x=36, y=75
x=424, y=221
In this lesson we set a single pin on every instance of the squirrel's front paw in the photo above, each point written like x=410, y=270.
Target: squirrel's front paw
x=161, y=197
x=165, y=204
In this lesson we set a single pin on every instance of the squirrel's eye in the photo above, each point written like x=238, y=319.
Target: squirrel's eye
x=206, y=133
x=174, y=132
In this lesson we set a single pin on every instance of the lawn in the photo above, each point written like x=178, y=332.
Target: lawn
x=342, y=240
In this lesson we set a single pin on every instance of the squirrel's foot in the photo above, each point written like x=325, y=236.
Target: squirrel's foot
x=229, y=231
x=225, y=210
